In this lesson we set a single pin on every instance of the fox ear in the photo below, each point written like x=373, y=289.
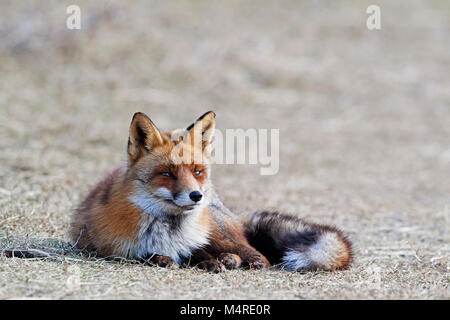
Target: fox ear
x=202, y=129
x=144, y=136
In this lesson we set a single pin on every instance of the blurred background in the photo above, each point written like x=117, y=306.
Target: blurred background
x=364, y=115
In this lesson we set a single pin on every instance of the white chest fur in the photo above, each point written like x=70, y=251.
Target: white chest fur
x=172, y=237
x=175, y=236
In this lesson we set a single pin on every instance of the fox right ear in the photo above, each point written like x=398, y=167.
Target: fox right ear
x=144, y=136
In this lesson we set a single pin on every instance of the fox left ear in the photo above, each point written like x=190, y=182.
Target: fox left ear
x=144, y=136
x=202, y=129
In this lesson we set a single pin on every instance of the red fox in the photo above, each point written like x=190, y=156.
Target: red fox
x=168, y=214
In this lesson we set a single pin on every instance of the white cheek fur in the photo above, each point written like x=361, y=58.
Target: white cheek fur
x=147, y=203
x=164, y=193
x=153, y=204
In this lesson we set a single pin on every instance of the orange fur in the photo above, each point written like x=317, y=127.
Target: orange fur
x=99, y=224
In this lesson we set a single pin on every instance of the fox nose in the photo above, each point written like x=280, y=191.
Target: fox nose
x=195, y=196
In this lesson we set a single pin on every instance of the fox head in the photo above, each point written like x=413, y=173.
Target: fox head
x=170, y=170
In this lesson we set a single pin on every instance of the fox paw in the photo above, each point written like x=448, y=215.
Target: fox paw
x=164, y=262
x=258, y=262
x=230, y=260
x=211, y=265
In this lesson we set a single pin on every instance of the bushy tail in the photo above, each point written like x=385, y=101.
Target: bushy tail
x=297, y=245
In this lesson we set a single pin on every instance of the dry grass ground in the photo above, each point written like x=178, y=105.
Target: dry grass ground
x=364, y=120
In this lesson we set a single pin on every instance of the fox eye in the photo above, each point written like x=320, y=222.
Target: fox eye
x=165, y=174
x=197, y=172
